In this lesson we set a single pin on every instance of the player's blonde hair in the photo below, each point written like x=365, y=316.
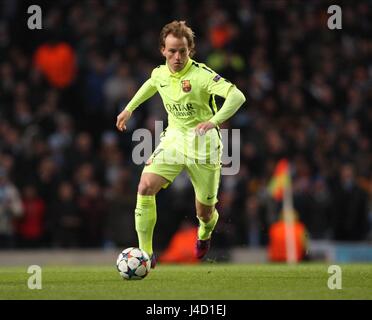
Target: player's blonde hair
x=179, y=29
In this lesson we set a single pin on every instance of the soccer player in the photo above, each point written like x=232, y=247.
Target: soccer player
x=187, y=89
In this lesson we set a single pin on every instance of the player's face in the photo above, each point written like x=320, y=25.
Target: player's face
x=176, y=52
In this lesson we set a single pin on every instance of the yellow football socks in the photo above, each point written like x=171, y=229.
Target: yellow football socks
x=205, y=229
x=145, y=219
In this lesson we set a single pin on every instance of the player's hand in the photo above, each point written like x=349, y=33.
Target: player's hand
x=204, y=127
x=122, y=119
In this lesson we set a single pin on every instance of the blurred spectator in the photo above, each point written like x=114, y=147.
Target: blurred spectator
x=30, y=228
x=181, y=248
x=65, y=221
x=349, y=207
x=96, y=76
x=80, y=152
x=116, y=90
x=119, y=227
x=222, y=30
x=255, y=224
x=319, y=211
x=46, y=178
x=10, y=208
x=93, y=209
x=57, y=62
x=279, y=244
x=225, y=234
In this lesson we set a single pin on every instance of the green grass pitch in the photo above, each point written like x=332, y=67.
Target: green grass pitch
x=186, y=282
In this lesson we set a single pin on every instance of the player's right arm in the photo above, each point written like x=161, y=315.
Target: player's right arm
x=146, y=91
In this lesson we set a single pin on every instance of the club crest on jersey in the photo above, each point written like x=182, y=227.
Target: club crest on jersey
x=186, y=85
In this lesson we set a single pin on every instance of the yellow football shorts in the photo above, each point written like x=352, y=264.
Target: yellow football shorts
x=205, y=177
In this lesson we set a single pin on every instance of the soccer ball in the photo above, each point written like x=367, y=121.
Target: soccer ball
x=133, y=264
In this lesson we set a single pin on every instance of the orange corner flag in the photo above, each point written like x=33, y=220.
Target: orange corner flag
x=280, y=180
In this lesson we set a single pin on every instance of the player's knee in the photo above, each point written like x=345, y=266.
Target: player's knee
x=204, y=214
x=146, y=188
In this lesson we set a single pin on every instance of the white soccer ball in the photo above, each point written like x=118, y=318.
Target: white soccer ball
x=133, y=264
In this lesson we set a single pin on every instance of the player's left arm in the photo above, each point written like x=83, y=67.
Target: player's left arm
x=233, y=101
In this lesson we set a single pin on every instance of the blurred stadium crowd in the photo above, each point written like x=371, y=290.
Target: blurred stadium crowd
x=67, y=178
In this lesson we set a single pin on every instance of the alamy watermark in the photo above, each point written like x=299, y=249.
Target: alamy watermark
x=335, y=280
x=335, y=20
x=34, y=281
x=35, y=20
x=186, y=147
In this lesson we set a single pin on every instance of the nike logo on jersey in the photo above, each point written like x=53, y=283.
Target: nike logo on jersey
x=210, y=197
x=163, y=85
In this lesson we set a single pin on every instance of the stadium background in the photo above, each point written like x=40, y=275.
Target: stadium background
x=308, y=91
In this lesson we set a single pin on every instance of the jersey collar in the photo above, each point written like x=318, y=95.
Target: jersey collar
x=180, y=73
